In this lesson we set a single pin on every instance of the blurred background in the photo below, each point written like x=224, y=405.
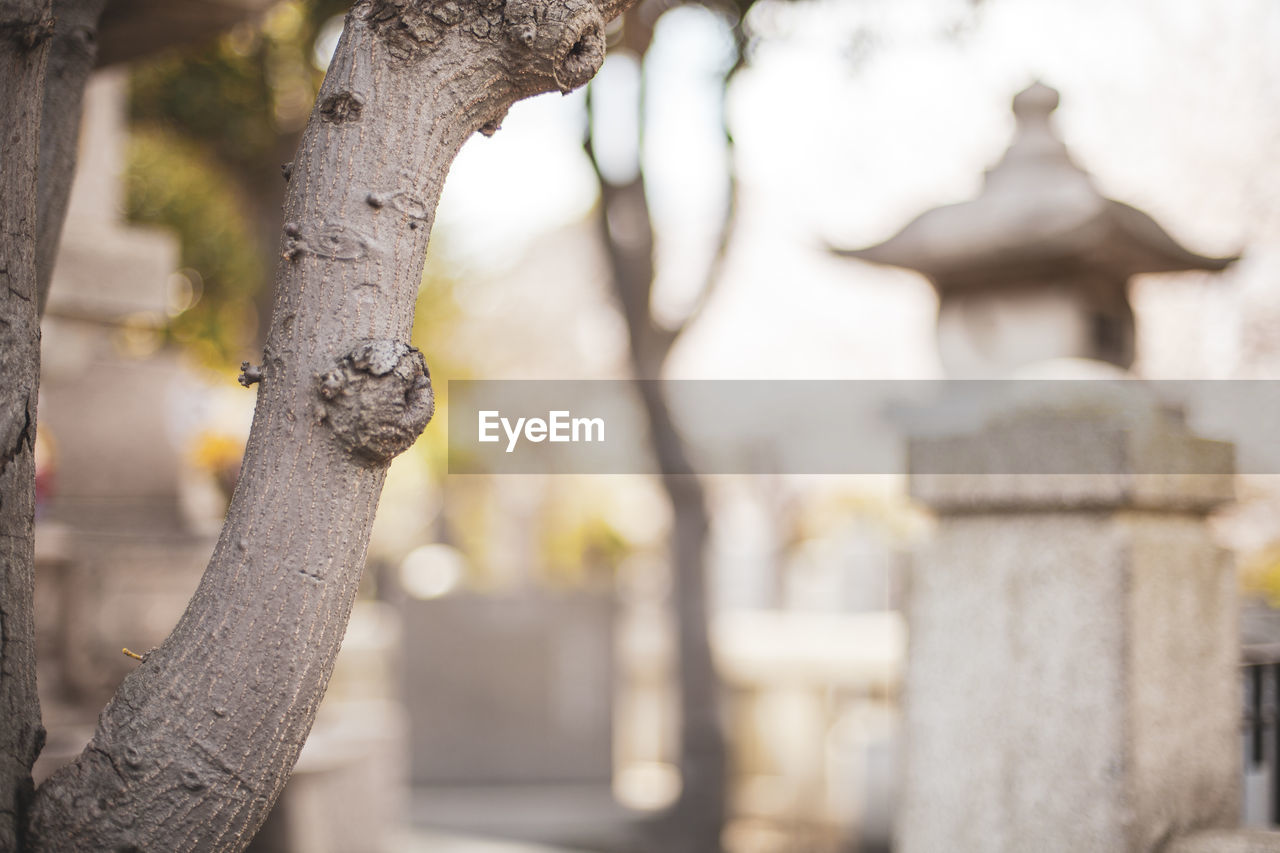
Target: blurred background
x=596, y=663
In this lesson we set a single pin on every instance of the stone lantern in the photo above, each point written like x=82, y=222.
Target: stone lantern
x=1038, y=265
x=1072, y=663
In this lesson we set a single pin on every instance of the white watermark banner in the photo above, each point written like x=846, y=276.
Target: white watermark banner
x=865, y=426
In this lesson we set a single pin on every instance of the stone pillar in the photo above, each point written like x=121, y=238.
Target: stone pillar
x=1072, y=668
x=124, y=557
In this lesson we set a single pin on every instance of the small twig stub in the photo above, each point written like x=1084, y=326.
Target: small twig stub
x=249, y=374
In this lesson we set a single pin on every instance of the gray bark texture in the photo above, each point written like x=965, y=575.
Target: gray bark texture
x=72, y=52
x=200, y=739
x=25, y=26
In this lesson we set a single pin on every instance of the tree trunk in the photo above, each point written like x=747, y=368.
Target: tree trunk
x=25, y=26
x=695, y=822
x=72, y=53
x=200, y=739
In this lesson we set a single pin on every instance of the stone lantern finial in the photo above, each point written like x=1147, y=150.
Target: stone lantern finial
x=1035, y=143
x=1035, y=101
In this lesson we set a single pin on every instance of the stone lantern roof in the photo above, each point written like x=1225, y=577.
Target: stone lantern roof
x=1038, y=217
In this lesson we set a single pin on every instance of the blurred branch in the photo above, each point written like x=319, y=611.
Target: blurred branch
x=72, y=53
x=626, y=234
x=728, y=225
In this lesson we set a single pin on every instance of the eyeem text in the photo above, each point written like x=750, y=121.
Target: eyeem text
x=558, y=426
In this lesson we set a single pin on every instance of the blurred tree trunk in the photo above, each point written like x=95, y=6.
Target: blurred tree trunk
x=25, y=28
x=696, y=821
x=72, y=53
x=199, y=740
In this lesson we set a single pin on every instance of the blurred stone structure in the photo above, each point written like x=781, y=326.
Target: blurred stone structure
x=510, y=689
x=1038, y=265
x=117, y=556
x=510, y=700
x=1072, y=680
x=1072, y=672
x=131, y=29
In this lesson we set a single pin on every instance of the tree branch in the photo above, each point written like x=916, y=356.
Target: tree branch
x=200, y=739
x=72, y=52
x=24, y=46
x=626, y=234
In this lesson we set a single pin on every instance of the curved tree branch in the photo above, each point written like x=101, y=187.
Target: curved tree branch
x=199, y=740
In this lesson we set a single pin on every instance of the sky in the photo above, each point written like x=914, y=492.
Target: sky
x=855, y=115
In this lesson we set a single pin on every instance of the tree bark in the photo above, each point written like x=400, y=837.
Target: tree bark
x=200, y=739
x=72, y=52
x=24, y=46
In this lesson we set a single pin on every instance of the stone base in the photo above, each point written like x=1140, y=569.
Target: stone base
x=1071, y=685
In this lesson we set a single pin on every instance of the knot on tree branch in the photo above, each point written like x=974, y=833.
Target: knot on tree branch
x=547, y=43
x=331, y=240
x=341, y=107
x=563, y=39
x=378, y=399
x=27, y=34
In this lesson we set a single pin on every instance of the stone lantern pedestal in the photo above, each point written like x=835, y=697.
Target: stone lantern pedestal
x=1072, y=668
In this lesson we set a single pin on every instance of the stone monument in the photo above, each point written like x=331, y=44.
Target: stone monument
x=1072, y=671
x=117, y=556
x=1072, y=678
